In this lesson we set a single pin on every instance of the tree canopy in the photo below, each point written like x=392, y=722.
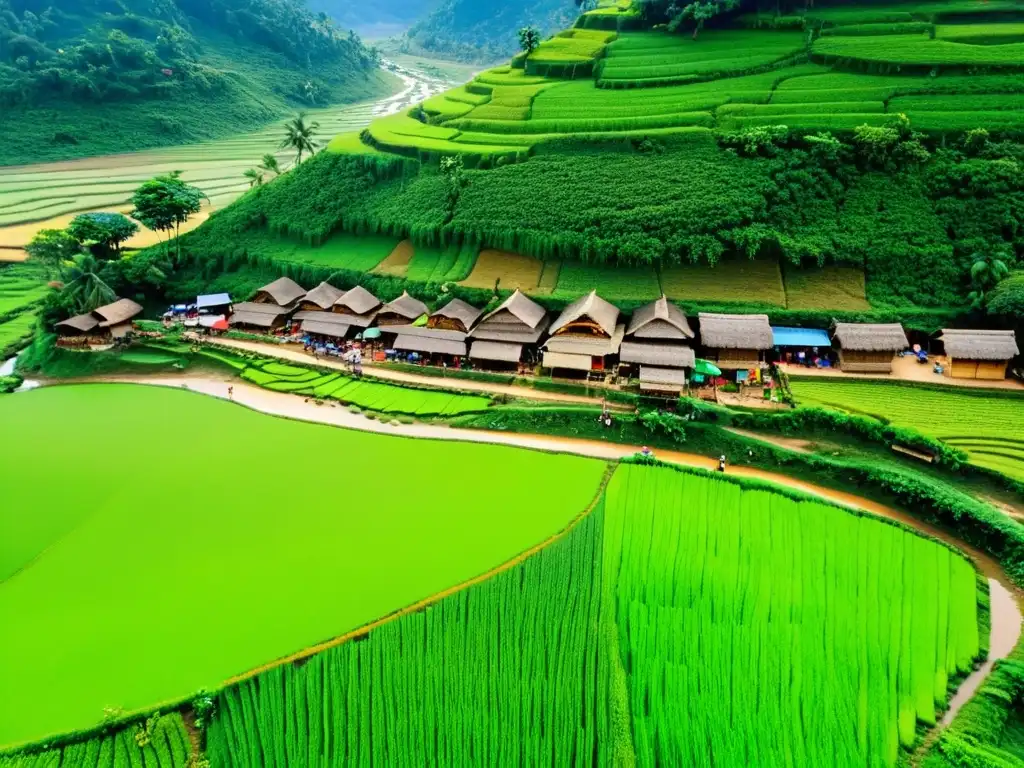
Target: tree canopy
x=103, y=233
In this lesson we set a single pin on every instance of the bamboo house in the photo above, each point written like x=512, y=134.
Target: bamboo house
x=584, y=335
x=868, y=347
x=657, y=347
x=257, y=316
x=735, y=342
x=320, y=299
x=358, y=306
x=456, y=315
x=978, y=354
x=402, y=311
x=284, y=292
x=102, y=325
x=503, y=333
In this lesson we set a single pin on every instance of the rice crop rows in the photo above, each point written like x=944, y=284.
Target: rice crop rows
x=829, y=287
x=756, y=629
x=15, y=331
x=981, y=422
x=919, y=50
x=166, y=745
x=505, y=672
x=290, y=544
x=612, y=282
x=431, y=264
x=686, y=621
x=740, y=280
x=362, y=393
x=341, y=251
x=21, y=285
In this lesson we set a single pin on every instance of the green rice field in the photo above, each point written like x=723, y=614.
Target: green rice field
x=259, y=550
x=363, y=393
x=360, y=253
x=988, y=425
x=696, y=623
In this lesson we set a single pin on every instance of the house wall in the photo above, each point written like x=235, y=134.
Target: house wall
x=989, y=370
x=735, y=359
x=857, y=361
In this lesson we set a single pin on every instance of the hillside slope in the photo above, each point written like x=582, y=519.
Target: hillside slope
x=90, y=78
x=616, y=157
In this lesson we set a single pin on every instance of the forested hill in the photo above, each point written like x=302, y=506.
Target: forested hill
x=484, y=30
x=91, y=76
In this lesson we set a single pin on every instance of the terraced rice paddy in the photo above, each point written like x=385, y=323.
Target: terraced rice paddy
x=374, y=396
x=989, y=426
x=654, y=83
x=507, y=270
x=48, y=195
x=441, y=265
x=685, y=621
x=831, y=287
x=276, y=554
x=20, y=287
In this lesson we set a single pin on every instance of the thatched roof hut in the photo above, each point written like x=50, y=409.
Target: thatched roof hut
x=589, y=315
x=324, y=323
x=978, y=354
x=669, y=381
x=320, y=298
x=79, y=325
x=517, y=321
x=868, y=347
x=120, y=312
x=256, y=315
x=660, y=319
x=401, y=311
x=283, y=292
x=736, y=342
x=456, y=315
x=357, y=301
x=660, y=355
x=582, y=353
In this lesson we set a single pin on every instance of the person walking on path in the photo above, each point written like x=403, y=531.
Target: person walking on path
x=721, y=463
x=231, y=393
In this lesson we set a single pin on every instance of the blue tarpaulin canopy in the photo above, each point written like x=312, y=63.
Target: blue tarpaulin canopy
x=800, y=337
x=212, y=300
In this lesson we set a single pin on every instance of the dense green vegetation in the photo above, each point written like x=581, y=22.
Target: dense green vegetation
x=986, y=424
x=302, y=538
x=671, y=567
x=87, y=78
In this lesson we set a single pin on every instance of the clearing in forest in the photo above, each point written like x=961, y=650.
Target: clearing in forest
x=513, y=270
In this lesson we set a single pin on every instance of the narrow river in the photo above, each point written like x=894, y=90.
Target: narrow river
x=1005, y=597
x=49, y=195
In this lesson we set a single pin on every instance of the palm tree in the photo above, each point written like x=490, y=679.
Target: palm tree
x=986, y=272
x=270, y=164
x=255, y=177
x=83, y=286
x=299, y=136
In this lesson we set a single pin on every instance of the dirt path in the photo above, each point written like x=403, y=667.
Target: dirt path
x=1006, y=614
x=794, y=444
x=293, y=353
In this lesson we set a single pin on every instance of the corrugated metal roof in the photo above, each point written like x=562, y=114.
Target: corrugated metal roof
x=212, y=300
x=425, y=344
x=800, y=337
x=493, y=350
x=563, y=360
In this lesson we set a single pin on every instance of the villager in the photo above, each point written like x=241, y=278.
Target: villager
x=646, y=452
x=721, y=463
x=231, y=393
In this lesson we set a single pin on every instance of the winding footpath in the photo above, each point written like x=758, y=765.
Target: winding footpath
x=1006, y=613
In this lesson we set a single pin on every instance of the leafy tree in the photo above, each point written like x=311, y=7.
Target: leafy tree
x=699, y=11
x=270, y=164
x=163, y=203
x=103, y=233
x=52, y=247
x=299, y=136
x=529, y=39
x=454, y=171
x=1007, y=298
x=255, y=177
x=84, y=288
x=986, y=272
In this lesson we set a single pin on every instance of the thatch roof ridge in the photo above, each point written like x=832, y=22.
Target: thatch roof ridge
x=871, y=337
x=284, y=291
x=359, y=300
x=324, y=295
x=522, y=307
x=405, y=306
x=979, y=345
x=457, y=309
x=81, y=323
x=117, y=312
x=591, y=305
x=665, y=311
x=724, y=331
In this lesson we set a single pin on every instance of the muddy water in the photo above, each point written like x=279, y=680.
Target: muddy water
x=1005, y=597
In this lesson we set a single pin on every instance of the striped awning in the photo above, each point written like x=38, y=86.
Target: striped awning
x=430, y=345
x=494, y=350
x=565, y=360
